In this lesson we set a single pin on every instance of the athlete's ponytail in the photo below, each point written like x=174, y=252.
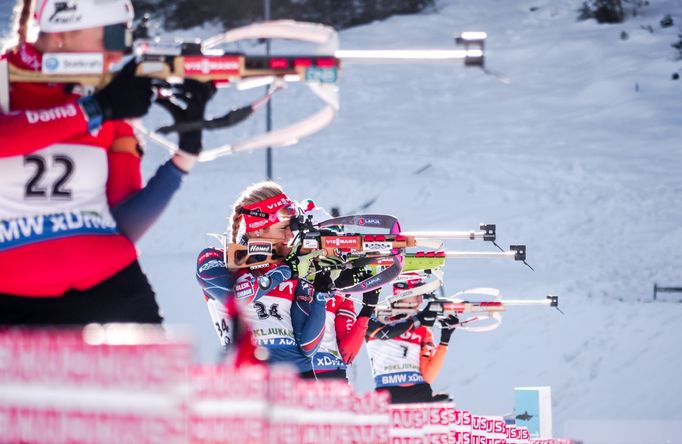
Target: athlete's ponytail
x=253, y=194
x=23, y=19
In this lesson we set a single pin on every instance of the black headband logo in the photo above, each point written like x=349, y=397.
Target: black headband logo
x=254, y=213
x=65, y=7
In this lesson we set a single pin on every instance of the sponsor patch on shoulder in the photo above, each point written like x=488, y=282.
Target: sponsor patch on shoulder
x=211, y=264
x=244, y=289
x=210, y=255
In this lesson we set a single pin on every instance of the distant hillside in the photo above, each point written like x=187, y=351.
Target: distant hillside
x=184, y=14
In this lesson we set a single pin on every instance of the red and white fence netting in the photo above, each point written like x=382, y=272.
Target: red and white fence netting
x=116, y=384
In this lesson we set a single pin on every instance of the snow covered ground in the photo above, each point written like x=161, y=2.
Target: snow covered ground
x=579, y=158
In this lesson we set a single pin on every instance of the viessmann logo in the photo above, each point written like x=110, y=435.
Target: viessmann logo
x=342, y=242
x=278, y=204
x=205, y=65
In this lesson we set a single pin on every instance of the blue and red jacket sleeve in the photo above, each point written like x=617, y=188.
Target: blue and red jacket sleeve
x=134, y=207
x=308, y=314
x=218, y=283
x=215, y=279
x=136, y=214
x=350, y=331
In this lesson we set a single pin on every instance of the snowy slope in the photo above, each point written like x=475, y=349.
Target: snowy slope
x=6, y=12
x=578, y=158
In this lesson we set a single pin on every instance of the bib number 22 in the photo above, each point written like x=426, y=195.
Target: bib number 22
x=36, y=188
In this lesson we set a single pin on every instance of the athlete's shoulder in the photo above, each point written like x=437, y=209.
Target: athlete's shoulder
x=344, y=306
x=427, y=335
x=334, y=303
x=123, y=128
x=210, y=258
x=210, y=253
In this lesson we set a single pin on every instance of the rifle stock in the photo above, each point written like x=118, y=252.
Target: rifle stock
x=16, y=74
x=260, y=252
x=204, y=68
x=201, y=61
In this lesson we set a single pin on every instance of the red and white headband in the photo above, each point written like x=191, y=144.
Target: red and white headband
x=266, y=212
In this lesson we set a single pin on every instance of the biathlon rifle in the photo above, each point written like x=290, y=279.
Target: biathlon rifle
x=384, y=252
x=170, y=62
x=488, y=310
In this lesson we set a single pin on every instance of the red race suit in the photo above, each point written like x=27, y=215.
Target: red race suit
x=57, y=184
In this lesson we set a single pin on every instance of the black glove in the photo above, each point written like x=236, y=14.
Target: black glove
x=194, y=95
x=448, y=326
x=427, y=317
x=291, y=260
x=126, y=96
x=352, y=276
x=323, y=282
x=369, y=302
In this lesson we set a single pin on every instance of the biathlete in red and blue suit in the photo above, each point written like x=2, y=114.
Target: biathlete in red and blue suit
x=269, y=306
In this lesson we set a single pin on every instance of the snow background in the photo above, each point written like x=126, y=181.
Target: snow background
x=578, y=158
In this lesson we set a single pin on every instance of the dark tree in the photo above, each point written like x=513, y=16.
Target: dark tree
x=610, y=11
x=183, y=14
x=604, y=11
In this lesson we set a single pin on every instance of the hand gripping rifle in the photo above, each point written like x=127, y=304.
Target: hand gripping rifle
x=385, y=253
x=487, y=311
x=325, y=240
x=204, y=61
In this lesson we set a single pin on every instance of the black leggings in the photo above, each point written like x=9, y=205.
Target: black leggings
x=332, y=374
x=124, y=297
x=414, y=393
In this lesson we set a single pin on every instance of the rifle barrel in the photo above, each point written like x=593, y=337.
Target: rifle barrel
x=480, y=254
x=459, y=235
x=521, y=302
x=397, y=56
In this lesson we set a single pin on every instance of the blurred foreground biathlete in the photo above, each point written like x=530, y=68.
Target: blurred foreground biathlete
x=72, y=202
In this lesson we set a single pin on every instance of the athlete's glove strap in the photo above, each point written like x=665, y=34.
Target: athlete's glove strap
x=92, y=112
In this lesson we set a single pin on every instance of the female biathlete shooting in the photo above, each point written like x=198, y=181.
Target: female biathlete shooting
x=284, y=315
